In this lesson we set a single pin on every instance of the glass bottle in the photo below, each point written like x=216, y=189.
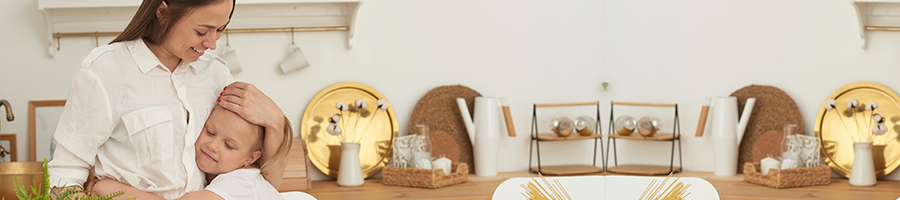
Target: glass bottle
x=789, y=154
x=422, y=155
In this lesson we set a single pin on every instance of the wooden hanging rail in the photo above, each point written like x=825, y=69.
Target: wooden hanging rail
x=882, y=28
x=247, y=30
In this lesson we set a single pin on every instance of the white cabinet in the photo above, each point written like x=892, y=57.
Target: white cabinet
x=93, y=17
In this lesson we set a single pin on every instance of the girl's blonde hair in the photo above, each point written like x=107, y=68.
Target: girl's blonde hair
x=283, y=148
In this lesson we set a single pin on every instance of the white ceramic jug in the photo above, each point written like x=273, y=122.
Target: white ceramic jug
x=484, y=132
x=727, y=133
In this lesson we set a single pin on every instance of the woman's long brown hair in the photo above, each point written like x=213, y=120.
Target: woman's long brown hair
x=147, y=25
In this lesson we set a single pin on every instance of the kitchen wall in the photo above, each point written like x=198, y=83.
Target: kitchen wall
x=666, y=51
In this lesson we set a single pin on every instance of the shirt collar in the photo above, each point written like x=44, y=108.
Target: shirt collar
x=147, y=60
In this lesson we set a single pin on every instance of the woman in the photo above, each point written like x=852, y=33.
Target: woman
x=136, y=106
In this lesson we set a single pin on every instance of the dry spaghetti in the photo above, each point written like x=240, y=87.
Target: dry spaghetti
x=535, y=191
x=674, y=191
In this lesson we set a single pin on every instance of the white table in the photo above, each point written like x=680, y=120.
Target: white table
x=605, y=187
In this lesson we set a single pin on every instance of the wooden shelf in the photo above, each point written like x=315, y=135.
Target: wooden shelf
x=642, y=169
x=567, y=170
x=543, y=105
x=876, y=15
x=637, y=136
x=644, y=104
x=90, y=16
x=573, y=136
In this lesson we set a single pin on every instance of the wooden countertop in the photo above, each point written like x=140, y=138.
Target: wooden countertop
x=733, y=188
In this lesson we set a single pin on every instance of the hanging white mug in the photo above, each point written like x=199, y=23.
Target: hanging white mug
x=294, y=61
x=229, y=55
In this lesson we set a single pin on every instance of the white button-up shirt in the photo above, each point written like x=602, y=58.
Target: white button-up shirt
x=133, y=120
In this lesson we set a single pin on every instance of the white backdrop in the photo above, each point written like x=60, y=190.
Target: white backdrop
x=667, y=51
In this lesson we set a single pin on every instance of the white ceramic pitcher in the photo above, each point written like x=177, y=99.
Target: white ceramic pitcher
x=727, y=133
x=484, y=132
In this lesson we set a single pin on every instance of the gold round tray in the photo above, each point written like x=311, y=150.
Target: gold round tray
x=838, y=130
x=375, y=145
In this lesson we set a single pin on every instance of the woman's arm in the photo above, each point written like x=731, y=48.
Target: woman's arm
x=109, y=186
x=85, y=125
x=254, y=106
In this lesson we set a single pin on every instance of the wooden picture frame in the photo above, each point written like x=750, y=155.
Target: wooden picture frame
x=43, y=116
x=11, y=147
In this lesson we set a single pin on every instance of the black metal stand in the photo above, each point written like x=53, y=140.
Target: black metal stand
x=676, y=136
x=535, y=141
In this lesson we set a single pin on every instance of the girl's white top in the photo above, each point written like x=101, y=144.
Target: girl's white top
x=243, y=184
x=134, y=121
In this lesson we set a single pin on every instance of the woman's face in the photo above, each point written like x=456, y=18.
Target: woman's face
x=197, y=31
x=227, y=142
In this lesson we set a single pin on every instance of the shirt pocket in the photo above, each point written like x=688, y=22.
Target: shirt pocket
x=151, y=134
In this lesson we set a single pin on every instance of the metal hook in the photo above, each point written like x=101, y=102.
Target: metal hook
x=57, y=41
x=96, y=39
x=292, y=35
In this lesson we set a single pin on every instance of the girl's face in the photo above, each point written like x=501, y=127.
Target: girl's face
x=197, y=31
x=227, y=142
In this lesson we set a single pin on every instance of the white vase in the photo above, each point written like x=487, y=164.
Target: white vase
x=350, y=171
x=863, y=170
x=487, y=135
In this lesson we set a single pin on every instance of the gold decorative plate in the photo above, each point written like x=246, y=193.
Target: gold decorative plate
x=375, y=145
x=838, y=128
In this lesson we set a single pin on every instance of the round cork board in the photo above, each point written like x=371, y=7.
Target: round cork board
x=444, y=145
x=773, y=109
x=438, y=109
x=768, y=144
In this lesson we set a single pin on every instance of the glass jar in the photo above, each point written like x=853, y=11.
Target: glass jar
x=625, y=125
x=585, y=125
x=562, y=126
x=789, y=152
x=423, y=147
x=647, y=126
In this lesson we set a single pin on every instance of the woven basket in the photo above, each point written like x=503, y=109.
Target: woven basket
x=424, y=178
x=788, y=178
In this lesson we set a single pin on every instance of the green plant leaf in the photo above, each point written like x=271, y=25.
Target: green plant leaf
x=43, y=192
x=46, y=177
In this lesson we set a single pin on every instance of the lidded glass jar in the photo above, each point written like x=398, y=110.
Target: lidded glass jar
x=625, y=125
x=585, y=125
x=562, y=126
x=647, y=126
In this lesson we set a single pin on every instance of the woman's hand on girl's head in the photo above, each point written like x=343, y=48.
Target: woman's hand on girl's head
x=251, y=104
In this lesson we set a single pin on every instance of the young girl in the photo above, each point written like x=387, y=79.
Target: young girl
x=228, y=150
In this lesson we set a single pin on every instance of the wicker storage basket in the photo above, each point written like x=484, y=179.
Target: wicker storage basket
x=788, y=178
x=424, y=178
